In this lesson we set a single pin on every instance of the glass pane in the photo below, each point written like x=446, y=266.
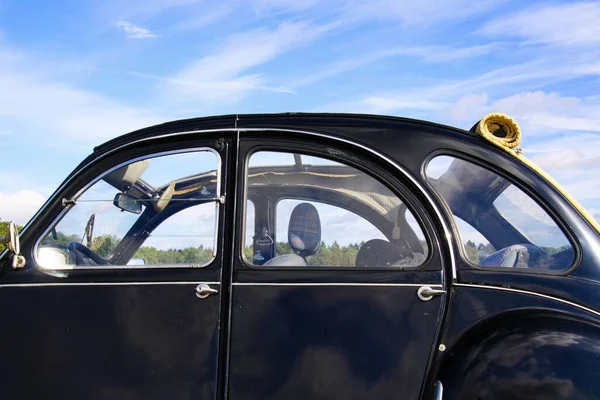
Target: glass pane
x=160, y=210
x=326, y=214
x=529, y=218
x=499, y=224
x=342, y=233
x=187, y=237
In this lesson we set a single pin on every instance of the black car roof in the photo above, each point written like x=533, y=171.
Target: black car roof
x=332, y=123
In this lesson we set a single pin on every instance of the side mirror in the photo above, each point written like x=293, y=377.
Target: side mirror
x=12, y=242
x=127, y=203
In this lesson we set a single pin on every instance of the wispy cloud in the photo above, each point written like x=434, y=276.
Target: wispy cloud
x=20, y=206
x=429, y=54
x=134, y=31
x=203, y=18
x=572, y=23
x=38, y=102
x=230, y=72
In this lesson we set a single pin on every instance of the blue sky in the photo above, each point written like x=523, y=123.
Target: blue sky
x=74, y=74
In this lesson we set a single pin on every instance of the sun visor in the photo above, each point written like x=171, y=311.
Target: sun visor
x=124, y=177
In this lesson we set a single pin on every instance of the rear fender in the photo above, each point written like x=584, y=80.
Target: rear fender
x=525, y=357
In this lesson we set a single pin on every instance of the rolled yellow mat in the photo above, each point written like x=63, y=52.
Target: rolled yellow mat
x=504, y=132
x=500, y=129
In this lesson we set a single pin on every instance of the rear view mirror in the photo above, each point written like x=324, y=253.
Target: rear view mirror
x=127, y=203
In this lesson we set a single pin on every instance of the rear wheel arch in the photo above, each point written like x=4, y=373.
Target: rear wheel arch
x=525, y=355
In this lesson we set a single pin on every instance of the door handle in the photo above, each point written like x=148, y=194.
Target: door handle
x=203, y=291
x=426, y=293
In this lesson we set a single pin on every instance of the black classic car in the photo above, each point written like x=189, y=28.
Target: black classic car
x=304, y=256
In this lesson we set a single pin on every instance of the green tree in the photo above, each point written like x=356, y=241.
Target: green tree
x=4, y=232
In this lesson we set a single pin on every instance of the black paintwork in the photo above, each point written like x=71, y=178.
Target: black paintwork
x=319, y=340
x=327, y=342
x=505, y=345
x=100, y=342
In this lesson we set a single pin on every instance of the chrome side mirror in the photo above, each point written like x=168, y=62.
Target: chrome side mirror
x=11, y=241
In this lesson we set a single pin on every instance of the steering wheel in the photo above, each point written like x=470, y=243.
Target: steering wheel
x=83, y=254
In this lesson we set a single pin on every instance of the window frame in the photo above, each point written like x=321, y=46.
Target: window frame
x=513, y=180
x=396, y=187
x=69, y=203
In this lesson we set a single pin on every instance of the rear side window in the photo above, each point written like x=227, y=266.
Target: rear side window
x=499, y=224
x=311, y=211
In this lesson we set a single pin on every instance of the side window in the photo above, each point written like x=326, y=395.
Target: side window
x=323, y=213
x=500, y=225
x=157, y=211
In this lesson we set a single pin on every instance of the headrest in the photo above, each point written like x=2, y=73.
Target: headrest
x=304, y=231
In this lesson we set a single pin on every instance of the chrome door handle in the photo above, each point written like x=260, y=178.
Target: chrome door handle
x=203, y=291
x=426, y=293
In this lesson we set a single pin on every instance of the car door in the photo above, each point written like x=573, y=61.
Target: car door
x=146, y=323
x=329, y=317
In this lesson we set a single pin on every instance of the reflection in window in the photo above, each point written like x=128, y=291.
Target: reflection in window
x=499, y=224
x=157, y=211
x=342, y=233
x=326, y=214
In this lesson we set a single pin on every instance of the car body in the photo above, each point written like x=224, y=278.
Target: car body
x=303, y=256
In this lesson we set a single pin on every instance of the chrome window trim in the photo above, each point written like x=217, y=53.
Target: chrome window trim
x=545, y=296
x=83, y=189
x=447, y=231
x=340, y=284
x=61, y=284
x=250, y=263
x=104, y=155
x=399, y=168
x=543, y=205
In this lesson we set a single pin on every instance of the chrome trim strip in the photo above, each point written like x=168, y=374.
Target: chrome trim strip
x=416, y=285
x=399, y=168
x=62, y=186
x=545, y=296
x=438, y=391
x=96, y=179
x=57, y=284
x=439, y=214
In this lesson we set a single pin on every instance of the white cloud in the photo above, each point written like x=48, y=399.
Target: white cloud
x=225, y=75
x=66, y=111
x=539, y=113
x=569, y=158
x=203, y=18
x=566, y=24
x=20, y=206
x=429, y=54
x=47, y=108
x=134, y=31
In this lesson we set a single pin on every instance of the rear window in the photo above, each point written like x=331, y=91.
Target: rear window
x=499, y=224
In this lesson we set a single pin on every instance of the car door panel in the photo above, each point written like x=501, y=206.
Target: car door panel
x=329, y=341
x=127, y=341
x=127, y=332
x=331, y=332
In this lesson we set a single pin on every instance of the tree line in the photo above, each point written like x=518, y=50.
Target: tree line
x=332, y=254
